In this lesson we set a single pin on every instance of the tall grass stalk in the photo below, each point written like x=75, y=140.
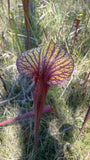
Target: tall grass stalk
x=16, y=33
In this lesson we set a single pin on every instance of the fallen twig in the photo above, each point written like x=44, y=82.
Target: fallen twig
x=10, y=99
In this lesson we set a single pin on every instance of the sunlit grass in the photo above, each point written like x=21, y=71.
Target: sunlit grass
x=58, y=132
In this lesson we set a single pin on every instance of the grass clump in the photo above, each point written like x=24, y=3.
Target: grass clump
x=58, y=132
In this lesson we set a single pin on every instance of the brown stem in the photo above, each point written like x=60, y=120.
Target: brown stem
x=9, y=11
x=4, y=84
x=86, y=79
x=26, y=15
x=47, y=109
x=77, y=24
x=85, y=120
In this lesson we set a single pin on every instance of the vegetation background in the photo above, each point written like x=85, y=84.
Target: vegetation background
x=58, y=132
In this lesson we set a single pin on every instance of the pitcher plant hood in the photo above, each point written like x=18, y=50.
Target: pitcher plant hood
x=49, y=65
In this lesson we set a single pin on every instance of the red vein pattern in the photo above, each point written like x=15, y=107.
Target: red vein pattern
x=49, y=65
x=50, y=62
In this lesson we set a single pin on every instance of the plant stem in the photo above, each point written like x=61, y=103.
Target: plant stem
x=47, y=109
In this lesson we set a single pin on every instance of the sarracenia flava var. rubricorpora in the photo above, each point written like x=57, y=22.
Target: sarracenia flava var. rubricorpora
x=49, y=65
